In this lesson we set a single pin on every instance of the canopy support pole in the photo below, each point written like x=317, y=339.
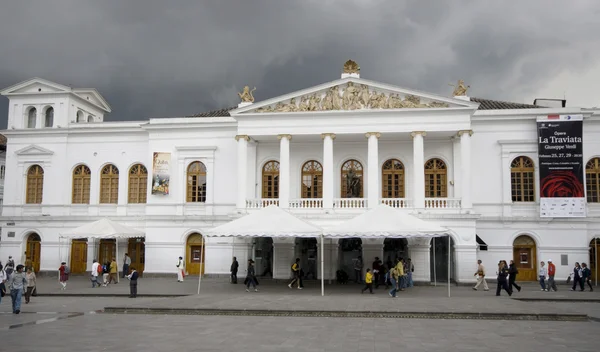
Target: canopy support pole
x=232, y=255
x=322, y=265
x=596, y=261
x=331, y=258
x=434, y=273
x=201, y=263
x=59, y=253
x=449, y=265
x=117, y=258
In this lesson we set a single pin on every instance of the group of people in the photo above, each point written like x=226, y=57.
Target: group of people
x=397, y=275
x=17, y=282
x=581, y=275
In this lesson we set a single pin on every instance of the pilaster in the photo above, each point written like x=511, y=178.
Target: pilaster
x=328, y=170
x=242, y=169
x=284, y=170
x=419, y=169
x=419, y=254
x=465, y=154
x=283, y=257
x=330, y=257
x=373, y=189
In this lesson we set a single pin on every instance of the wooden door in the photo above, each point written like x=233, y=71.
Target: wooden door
x=79, y=256
x=524, y=255
x=195, y=254
x=136, y=250
x=33, y=251
x=107, y=251
x=594, y=251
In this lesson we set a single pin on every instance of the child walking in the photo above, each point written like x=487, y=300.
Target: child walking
x=368, y=282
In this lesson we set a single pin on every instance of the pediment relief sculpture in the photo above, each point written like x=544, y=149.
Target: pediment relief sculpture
x=351, y=97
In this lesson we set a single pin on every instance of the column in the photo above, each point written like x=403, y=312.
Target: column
x=419, y=249
x=330, y=258
x=283, y=257
x=465, y=156
x=328, y=170
x=242, y=169
x=419, y=170
x=373, y=169
x=284, y=170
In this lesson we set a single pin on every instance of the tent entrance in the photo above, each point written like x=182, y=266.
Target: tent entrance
x=263, y=256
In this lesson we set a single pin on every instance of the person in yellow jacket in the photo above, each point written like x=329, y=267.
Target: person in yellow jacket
x=368, y=282
x=401, y=279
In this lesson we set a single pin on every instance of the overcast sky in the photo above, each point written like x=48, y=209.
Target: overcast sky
x=175, y=58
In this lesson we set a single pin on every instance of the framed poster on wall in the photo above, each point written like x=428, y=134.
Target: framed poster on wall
x=161, y=164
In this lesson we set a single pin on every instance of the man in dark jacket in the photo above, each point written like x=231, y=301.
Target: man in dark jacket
x=512, y=276
x=133, y=277
x=234, y=270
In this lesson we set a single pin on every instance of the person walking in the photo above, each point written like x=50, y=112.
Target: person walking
x=586, y=274
x=126, y=264
x=542, y=273
x=94, y=273
x=105, y=273
x=63, y=275
x=368, y=282
x=234, y=269
x=401, y=283
x=551, y=273
x=577, y=277
x=393, y=277
x=502, y=274
x=133, y=277
x=480, y=274
x=16, y=285
x=2, y=282
x=411, y=269
x=180, y=269
x=9, y=268
x=114, y=272
x=251, y=276
x=30, y=276
x=295, y=274
x=377, y=271
x=358, y=266
x=512, y=276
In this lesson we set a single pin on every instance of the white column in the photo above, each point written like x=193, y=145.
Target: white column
x=465, y=160
x=420, y=257
x=328, y=170
x=242, y=169
x=373, y=169
x=419, y=170
x=284, y=170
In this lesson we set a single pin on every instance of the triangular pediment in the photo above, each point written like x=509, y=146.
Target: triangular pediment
x=91, y=95
x=33, y=150
x=352, y=94
x=37, y=86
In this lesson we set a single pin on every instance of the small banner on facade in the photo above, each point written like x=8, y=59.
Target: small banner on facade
x=160, y=173
x=560, y=152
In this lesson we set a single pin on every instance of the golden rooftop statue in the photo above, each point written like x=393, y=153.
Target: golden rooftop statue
x=460, y=89
x=351, y=67
x=246, y=95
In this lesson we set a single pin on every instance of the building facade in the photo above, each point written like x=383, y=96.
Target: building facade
x=326, y=153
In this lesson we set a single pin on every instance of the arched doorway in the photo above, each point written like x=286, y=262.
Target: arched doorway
x=32, y=252
x=194, y=254
x=594, y=252
x=108, y=250
x=79, y=248
x=137, y=252
x=524, y=255
x=349, y=251
x=263, y=256
x=394, y=248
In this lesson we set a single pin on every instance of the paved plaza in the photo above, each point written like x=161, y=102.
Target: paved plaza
x=64, y=320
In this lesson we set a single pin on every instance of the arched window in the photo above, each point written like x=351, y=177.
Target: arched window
x=522, y=179
x=81, y=185
x=109, y=185
x=270, y=180
x=436, y=178
x=31, y=118
x=35, y=185
x=138, y=184
x=592, y=180
x=80, y=116
x=392, y=179
x=196, y=183
x=352, y=179
x=49, y=121
x=312, y=179
x=90, y=118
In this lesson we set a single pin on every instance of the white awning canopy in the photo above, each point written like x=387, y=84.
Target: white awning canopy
x=385, y=221
x=271, y=221
x=103, y=228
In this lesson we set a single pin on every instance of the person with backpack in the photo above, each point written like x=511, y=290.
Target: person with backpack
x=105, y=273
x=586, y=275
x=96, y=270
x=296, y=274
x=63, y=275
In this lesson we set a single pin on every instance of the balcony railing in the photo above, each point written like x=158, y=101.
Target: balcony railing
x=261, y=203
x=349, y=203
x=442, y=203
x=397, y=202
x=306, y=203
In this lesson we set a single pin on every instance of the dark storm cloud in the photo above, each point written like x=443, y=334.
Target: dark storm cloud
x=158, y=58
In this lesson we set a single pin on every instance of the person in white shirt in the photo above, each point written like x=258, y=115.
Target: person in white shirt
x=480, y=274
x=180, y=270
x=542, y=274
x=94, y=274
x=126, y=264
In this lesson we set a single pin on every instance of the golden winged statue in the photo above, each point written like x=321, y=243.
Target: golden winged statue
x=460, y=89
x=246, y=95
x=351, y=67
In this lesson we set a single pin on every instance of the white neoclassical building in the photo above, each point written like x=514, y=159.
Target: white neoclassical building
x=325, y=153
